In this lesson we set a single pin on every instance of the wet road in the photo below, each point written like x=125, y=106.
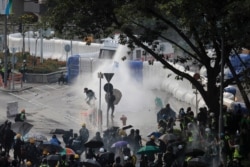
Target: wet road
x=51, y=106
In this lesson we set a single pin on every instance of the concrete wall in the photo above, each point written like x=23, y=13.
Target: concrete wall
x=43, y=78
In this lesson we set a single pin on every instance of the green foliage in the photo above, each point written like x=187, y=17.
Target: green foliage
x=34, y=65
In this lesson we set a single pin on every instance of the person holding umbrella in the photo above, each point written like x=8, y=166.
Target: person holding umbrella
x=110, y=102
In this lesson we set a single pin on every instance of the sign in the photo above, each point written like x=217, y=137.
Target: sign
x=108, y=87
x=108, y=76
x=67, y=48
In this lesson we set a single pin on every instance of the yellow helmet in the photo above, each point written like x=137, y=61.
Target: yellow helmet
x=83, y=125
x=28, y=163
x=45, y=152
x=32, y=140
x=18, y=136
x=76, y=156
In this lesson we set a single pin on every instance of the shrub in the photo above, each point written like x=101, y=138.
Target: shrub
x=34, y=65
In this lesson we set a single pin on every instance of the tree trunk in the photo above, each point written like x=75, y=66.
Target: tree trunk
x=241, y=89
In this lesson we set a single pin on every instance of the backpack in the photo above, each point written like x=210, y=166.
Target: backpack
x=18, y=117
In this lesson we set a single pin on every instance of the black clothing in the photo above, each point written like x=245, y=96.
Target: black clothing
x=110, y=101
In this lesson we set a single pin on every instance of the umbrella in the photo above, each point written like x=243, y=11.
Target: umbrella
x=127, y=127
x=37, y=136
x=167, y=137
x=155, y=134
x=93, y=144
x=148, y=150
x=194, y=152
x=119, y=144
x=50, y=147
x=111, y=129
x=53, y=157
x=91, y=163
x=198, y=162
x=57, y=131
x=108, y=156
x=118, y=95
x=68, y=151
x=21, y=127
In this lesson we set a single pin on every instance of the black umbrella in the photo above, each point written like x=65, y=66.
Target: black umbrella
x=111, y=129
x=57, y=131
x=50, y=147
x=198, y=162
x=53, y=157
x=108, y=156
x=195, y=152
x=127, y=127
x=91, y=163
x=93, y=144
x=21, y=127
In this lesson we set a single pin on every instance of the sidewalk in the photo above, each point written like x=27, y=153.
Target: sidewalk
x=17, y=87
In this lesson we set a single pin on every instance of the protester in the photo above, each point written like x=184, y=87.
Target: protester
x=66, y=136
x=23, y=70
x=84, y=133
x=124, y=120
x=18, y=143
x=20, y=117
x=110, y=102
x=62, y=79
x=32, y=152
x=90, y=96
x=54, y=140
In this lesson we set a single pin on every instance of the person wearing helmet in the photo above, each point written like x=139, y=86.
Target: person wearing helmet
x=84, y=133
x=18, y=143
x=32, y=152
x=90, y=95
x=28, y=164
x=64, y=162
x=20, y=117
x=23, y=116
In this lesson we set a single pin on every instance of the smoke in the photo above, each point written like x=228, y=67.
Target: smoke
x=136, y=95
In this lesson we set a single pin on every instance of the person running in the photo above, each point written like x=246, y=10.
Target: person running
x=90, y=95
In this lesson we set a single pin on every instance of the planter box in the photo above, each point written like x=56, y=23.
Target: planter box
x=44, y=78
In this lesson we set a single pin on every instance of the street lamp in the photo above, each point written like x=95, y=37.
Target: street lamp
x=99, y=114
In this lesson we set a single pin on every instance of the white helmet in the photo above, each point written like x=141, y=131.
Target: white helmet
x=211, y=114
x=207, y=130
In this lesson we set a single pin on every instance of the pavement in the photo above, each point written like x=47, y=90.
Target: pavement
x=18, y=87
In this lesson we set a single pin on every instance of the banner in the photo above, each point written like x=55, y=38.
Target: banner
x=5, y=7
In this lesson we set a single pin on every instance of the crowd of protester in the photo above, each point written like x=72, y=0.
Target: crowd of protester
x=196, y=141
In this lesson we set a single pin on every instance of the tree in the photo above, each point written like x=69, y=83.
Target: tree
x=190, y=26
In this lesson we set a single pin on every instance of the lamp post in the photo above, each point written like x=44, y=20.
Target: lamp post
x=99, y=114
x=13, y=61
x=6, y=50
x=41, y=51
